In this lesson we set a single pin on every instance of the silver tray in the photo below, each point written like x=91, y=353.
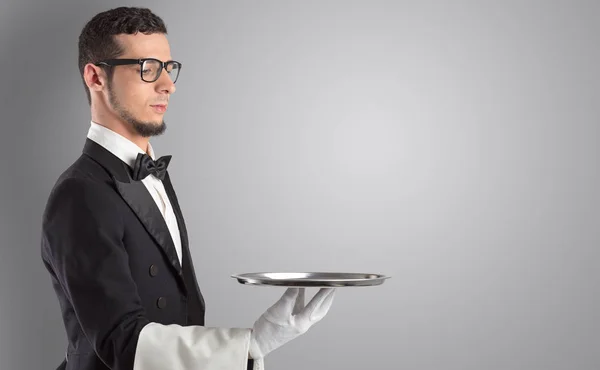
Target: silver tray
x=310, y=279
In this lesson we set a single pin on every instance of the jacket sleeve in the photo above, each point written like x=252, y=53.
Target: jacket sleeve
x=82, y=244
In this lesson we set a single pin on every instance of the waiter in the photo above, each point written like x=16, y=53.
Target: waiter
x=114, y=240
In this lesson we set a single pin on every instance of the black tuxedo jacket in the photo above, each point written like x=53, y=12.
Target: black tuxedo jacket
x=112, y=261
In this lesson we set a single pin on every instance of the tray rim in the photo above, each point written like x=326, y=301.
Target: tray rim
x=255, y=278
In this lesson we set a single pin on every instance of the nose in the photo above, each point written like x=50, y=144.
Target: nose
x=164, y=84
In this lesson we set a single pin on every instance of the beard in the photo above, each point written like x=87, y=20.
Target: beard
x=142, y=128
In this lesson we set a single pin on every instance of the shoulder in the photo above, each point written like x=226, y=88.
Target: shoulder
x=83, y=186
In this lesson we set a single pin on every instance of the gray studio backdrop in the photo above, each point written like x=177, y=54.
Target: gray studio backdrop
x=452, y=145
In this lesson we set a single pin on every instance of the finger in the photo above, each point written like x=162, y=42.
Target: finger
x=316, y=301
x=299, y=305
x=322, y=310
x=287, y=300
x=290, y=295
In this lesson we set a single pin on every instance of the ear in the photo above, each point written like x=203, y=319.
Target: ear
x=94, y=77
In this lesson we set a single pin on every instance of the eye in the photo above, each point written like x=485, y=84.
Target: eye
x=150, y=67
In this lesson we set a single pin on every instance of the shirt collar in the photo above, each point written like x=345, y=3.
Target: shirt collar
x=121, y=147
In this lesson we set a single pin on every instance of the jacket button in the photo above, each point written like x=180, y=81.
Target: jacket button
x=153, y=270
x=161, y=302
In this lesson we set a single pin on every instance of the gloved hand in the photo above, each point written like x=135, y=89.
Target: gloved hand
x=287, y=319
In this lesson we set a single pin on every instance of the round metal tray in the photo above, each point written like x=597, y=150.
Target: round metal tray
x=311, y=279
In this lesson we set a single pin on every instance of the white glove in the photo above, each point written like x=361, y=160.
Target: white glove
x=287, y=319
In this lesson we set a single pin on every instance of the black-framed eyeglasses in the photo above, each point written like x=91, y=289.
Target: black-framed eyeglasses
x=150, y=68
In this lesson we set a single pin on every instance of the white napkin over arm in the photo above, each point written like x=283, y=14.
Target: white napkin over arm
x=176, y=347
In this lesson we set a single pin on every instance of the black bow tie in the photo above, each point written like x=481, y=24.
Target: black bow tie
x=144, y=166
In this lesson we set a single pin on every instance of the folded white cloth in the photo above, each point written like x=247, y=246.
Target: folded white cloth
x=178, y=347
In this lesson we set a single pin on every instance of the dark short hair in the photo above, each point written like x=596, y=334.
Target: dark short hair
x=97, y=41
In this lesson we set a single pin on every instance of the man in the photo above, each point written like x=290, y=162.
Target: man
x=114, y=240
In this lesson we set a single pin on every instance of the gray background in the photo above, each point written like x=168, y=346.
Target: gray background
x=452, y=145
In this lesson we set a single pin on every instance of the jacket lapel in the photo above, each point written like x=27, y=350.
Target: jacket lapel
x=139, y=200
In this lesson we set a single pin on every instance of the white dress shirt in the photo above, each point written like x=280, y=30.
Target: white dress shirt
x=127, y=151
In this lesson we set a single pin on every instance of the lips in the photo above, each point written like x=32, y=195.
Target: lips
x=161, y=108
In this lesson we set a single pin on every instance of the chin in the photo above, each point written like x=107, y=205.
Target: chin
x=155, y=122
x=149, y=128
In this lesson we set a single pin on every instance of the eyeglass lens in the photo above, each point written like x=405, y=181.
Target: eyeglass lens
x=151, y=69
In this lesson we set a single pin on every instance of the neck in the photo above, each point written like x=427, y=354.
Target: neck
x=121, y=127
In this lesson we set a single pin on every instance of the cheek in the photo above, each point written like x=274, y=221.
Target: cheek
x=134, y=97
x=132, y=94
